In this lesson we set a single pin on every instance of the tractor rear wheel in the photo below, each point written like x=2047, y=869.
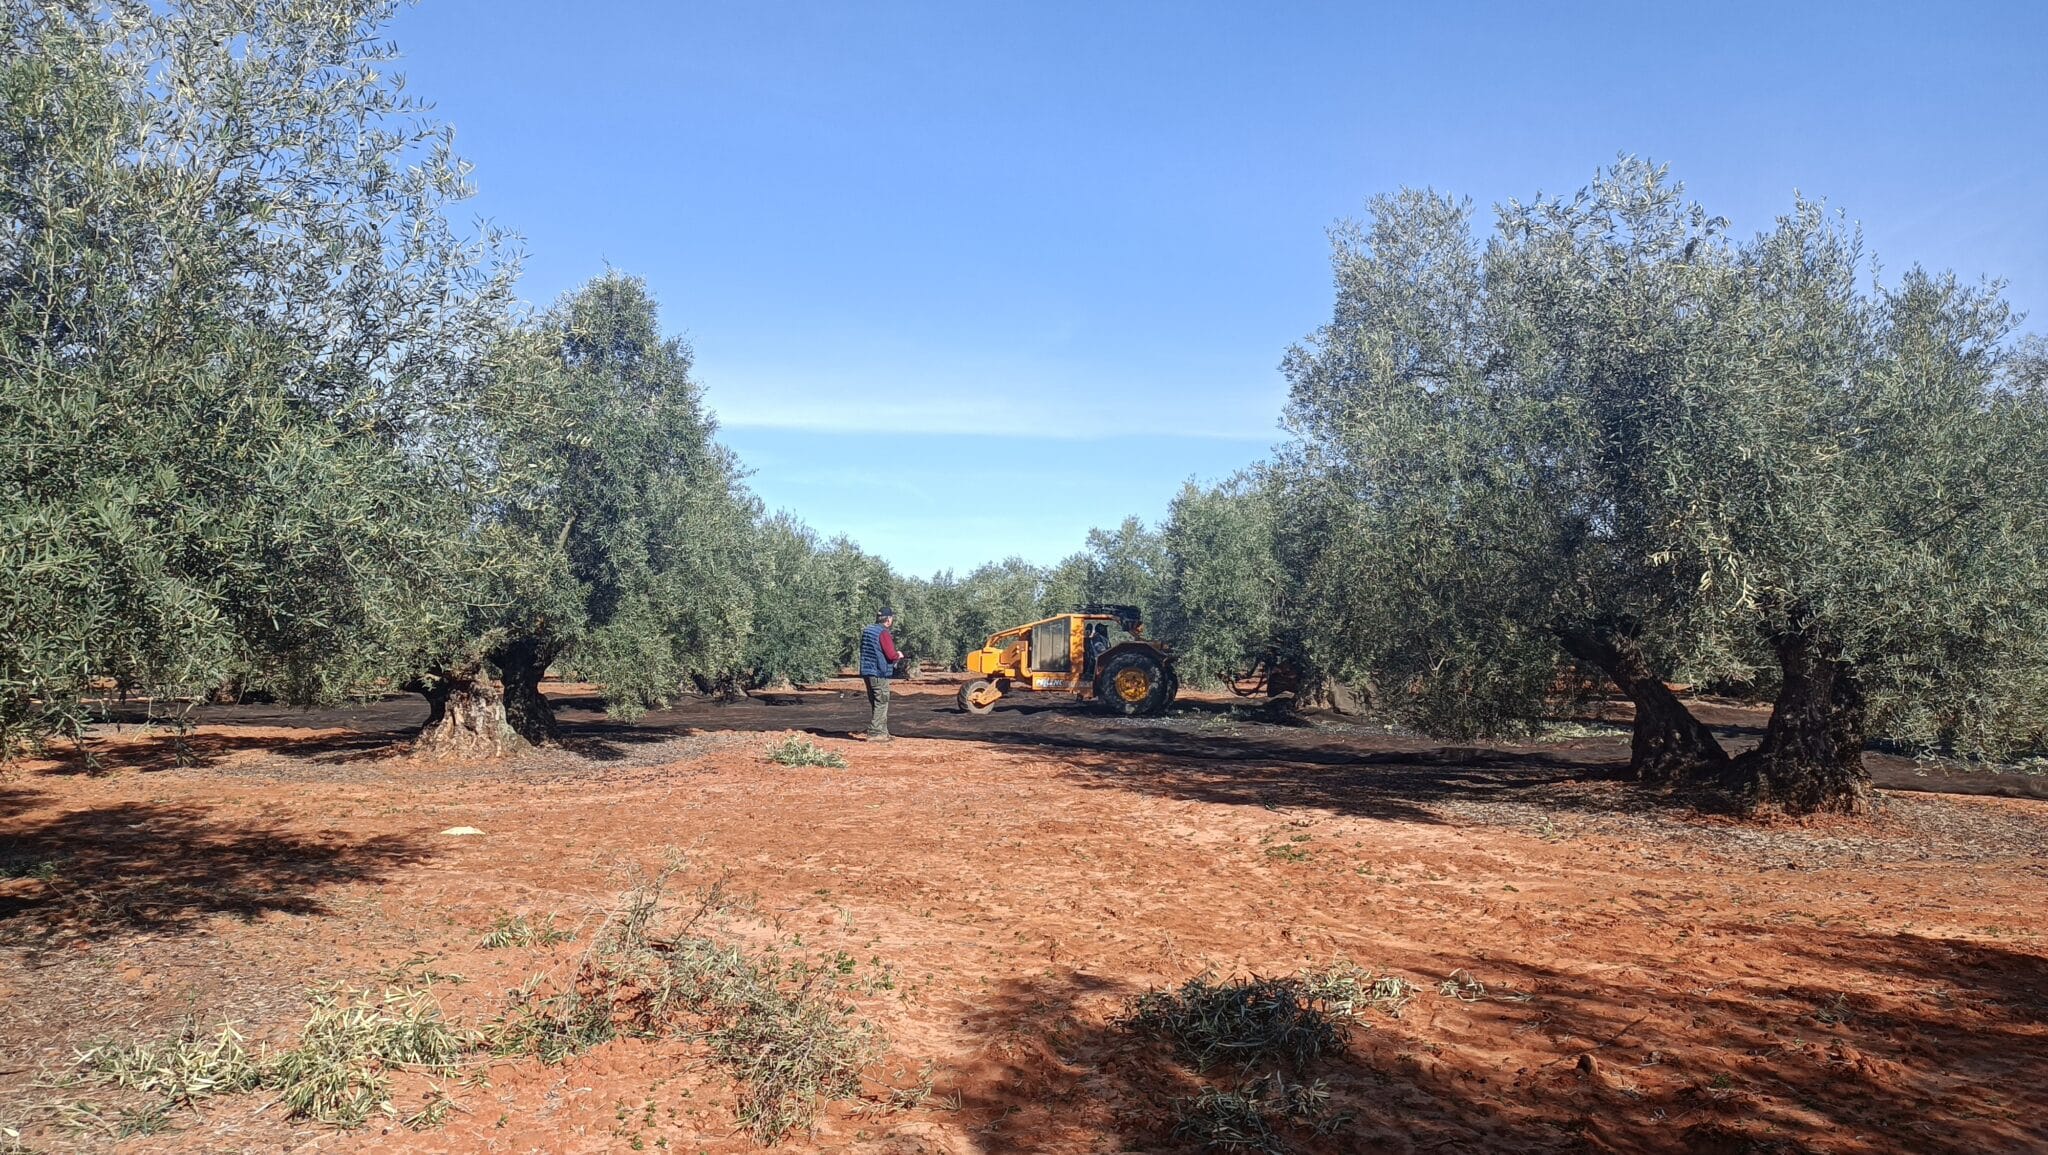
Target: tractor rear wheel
x=978, y=697
x=1134, y=683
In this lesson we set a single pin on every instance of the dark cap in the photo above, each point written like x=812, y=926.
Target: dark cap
x=884, y=612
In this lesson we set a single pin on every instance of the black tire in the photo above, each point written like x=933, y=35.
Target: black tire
x=1134, y=683
x=978, y=688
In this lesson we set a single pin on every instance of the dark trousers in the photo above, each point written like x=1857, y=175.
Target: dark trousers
x=878, y=706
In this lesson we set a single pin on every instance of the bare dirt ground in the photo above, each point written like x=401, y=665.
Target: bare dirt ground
x=1622, y=976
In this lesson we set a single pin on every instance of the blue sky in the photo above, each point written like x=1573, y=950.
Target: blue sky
x=966, y=279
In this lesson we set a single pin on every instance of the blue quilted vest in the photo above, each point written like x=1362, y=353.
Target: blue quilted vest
x=872, y=663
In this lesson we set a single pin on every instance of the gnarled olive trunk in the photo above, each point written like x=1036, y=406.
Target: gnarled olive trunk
x=465, y=715
x=1811, y=756
x=1670, y=747
x=725, y=687
x=1305, y=692
x=523, y=664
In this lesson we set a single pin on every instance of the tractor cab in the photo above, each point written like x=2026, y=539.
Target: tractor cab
x=1099, y=652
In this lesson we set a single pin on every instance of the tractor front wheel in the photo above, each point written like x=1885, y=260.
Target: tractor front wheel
x=978, y=697
x=1134, y=683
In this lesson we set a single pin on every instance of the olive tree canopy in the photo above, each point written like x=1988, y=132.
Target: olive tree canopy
x=609, y=530
x=1221, y=583
x=232, y=318
x=1863, y=491
x=1611, y=434
x=811, y=600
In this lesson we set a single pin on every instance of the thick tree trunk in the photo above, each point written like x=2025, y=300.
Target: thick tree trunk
x=1811, y=756
x=1344, y=699
x=436, y=693
x=523, y=664
x=722, y=687
x=465, y=716
x=1309, y=692
x=1670, y=747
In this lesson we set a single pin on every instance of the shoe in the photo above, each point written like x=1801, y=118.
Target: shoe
x=881, y=737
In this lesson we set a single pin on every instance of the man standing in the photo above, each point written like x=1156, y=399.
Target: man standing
x=878, y=658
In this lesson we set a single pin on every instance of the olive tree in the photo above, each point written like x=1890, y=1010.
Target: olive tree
x=1219, y=596
x=1124, y=565
x=930, y=618
x=610, y=532
x=1613, y=435
x=1491, y=414
x=996, y=596
x=1864, y=488
x=811, y=600
x=944, y=617
x=797, y=623
x=234, y=318
x=860, y=585
x=1066, y=585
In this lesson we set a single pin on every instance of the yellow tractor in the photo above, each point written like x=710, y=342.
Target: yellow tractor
x=1079, y=653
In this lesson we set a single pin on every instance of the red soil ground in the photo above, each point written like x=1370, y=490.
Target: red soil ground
x=1634, y=977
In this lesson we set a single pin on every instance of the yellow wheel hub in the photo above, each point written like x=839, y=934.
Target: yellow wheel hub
x=984, y=696
x=1132, y=685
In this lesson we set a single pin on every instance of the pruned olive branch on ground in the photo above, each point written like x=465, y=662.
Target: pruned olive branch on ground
x=338, y=1073
x=1272, y=1032
x=519, y=930
x=783, y=1031
x=797, y=750
x=651, y=969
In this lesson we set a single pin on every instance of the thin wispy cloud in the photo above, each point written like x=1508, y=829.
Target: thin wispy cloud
x=968, y=410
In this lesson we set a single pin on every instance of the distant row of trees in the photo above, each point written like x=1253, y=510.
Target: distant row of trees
x=272, y=424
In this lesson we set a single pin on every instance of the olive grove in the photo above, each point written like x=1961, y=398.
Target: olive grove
x=273, y=424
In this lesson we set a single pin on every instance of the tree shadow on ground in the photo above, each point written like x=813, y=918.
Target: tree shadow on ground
x=1059, y=1070
x=1058, y=723
x=1252, y=764
x=1893, y=1041
x=168, y=868
x=1393, y=786
x=1237, y=757
x=172, y=750
x=596, y=737
x=1536, y=1060
x=18, y=799
x=366, y=733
